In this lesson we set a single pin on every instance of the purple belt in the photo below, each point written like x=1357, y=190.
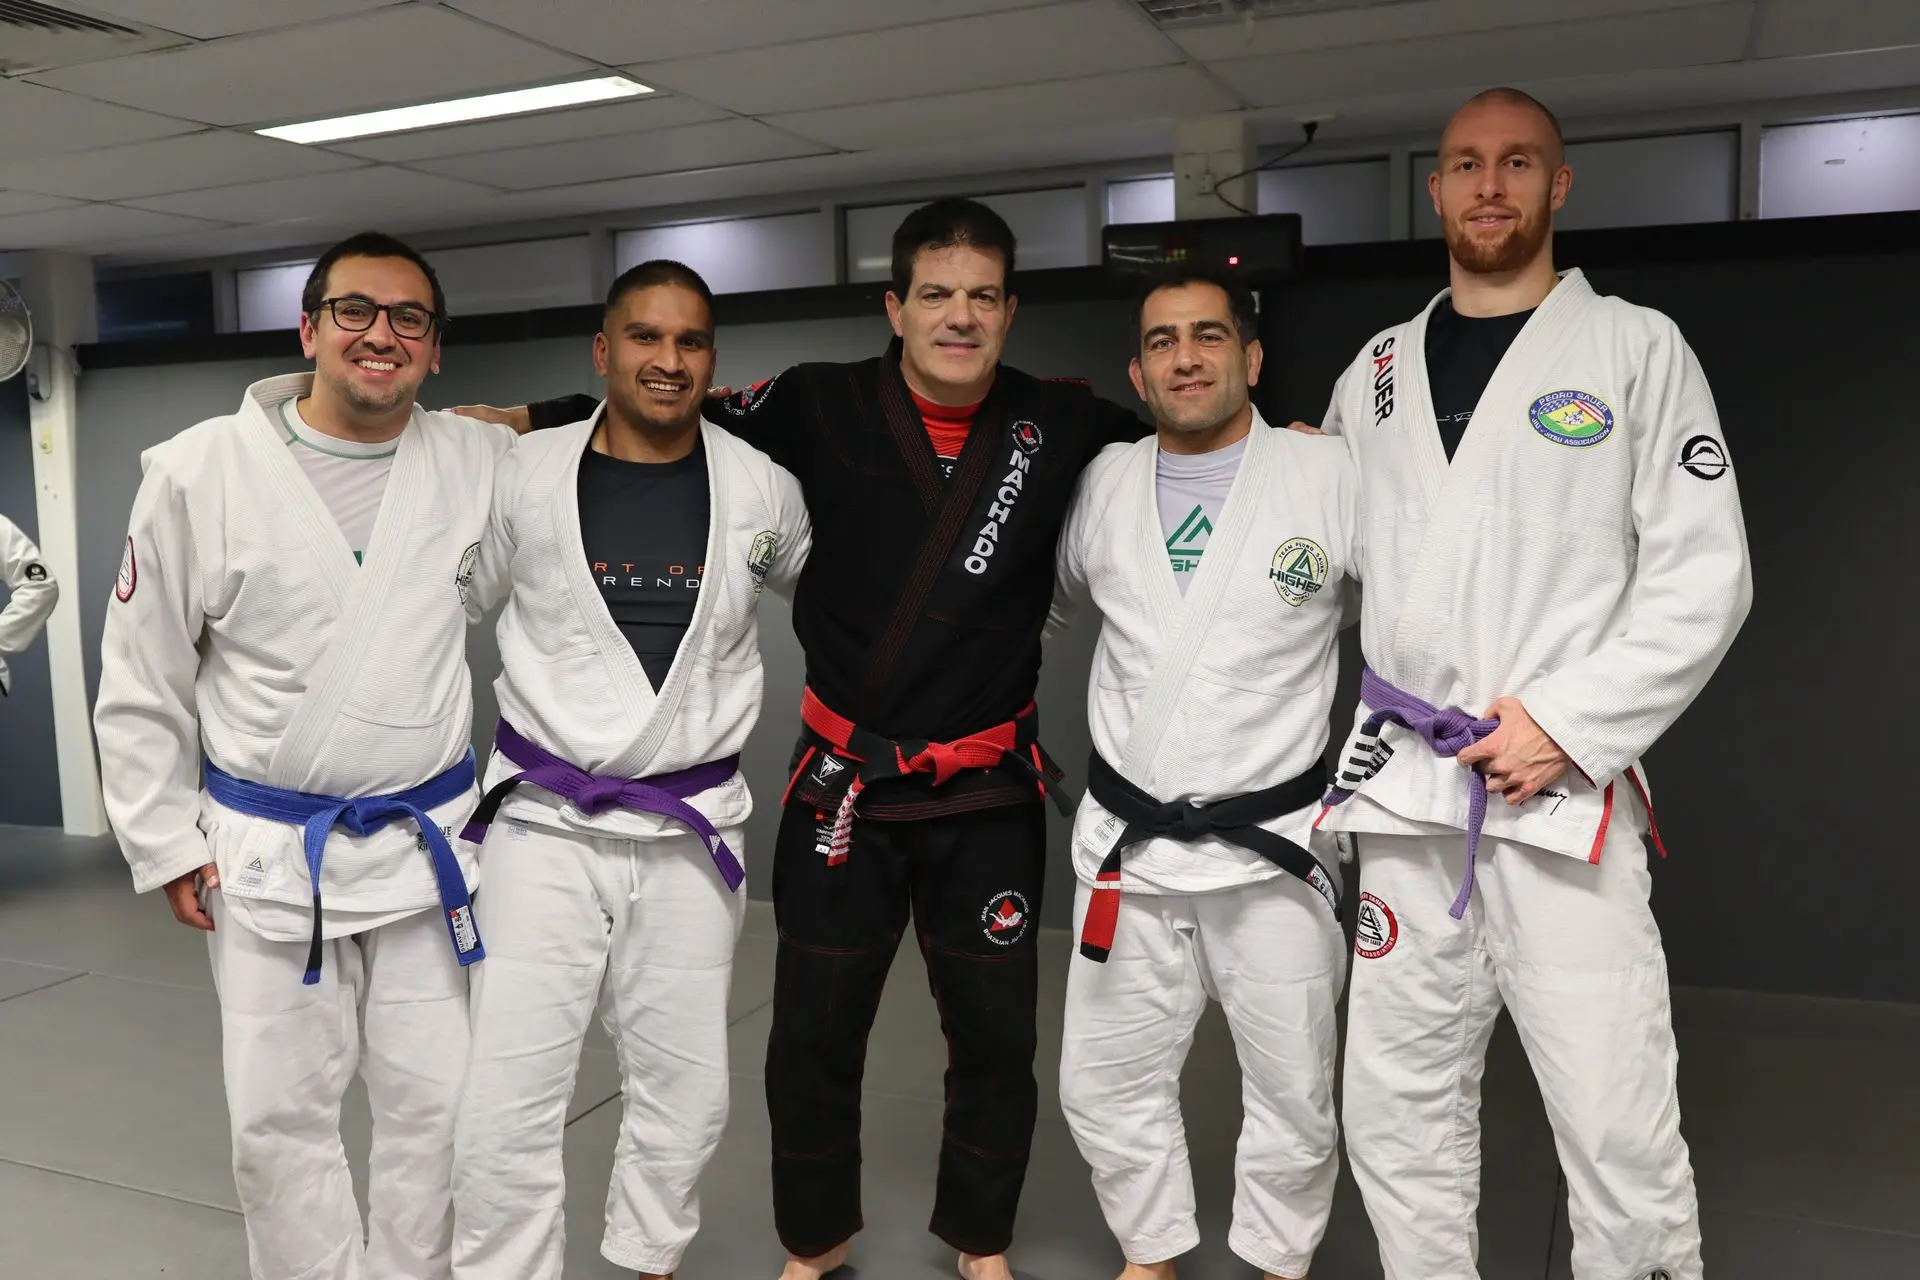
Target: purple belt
x=664, y=795
x=1448, y=731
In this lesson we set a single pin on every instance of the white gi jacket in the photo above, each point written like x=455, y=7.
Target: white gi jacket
x=1584, y=552
x=1227, y=689
x=241, y=627
x=571, y=682
x=34, y=593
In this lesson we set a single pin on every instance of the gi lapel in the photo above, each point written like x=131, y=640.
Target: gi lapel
x=362, y=611
x=947, y=510
x=1192, y=617
x=1449, y=508
x=1428, y=453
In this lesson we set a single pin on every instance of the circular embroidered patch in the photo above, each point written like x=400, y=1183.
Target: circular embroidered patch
x=1576, y=419
x=1005, y=918
x=1375, y=929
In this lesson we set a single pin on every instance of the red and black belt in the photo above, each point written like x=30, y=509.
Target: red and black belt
x=876, y=757
x=1235, y=820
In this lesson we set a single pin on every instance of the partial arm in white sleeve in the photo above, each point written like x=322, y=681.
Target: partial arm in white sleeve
x=1692, y=581
x=493, y=565
x=146, y=716
x=1070, y=592
x=794, y=534
x=34, y=590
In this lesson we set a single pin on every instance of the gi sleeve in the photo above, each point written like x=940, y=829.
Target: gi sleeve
x=778, y=417
x=146, y=717
x=1070, y=590
x=544, y=414
x=493, y=567
x=1692, y=582
x=34, y=592
x=795, y=533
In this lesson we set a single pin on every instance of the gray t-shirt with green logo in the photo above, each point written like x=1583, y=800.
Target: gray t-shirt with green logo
x=1192, y=489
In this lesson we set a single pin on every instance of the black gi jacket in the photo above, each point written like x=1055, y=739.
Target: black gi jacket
x=922, y=602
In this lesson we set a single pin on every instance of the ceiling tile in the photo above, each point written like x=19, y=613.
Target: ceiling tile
x=1791, y=27
x=1156, y=93
x=206, y=19
x=191, y=161
x=616, y=33
x=63, y=123
x=694, y=146
x=89, y=224
x=1607, y=46
x=1416, y=20
x=367, y=195
x=12, y=202
x=1054, y=43
x=655, y=111
x=392, y=57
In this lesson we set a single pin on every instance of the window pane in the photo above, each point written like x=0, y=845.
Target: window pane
x=1140, y=200
x=269, y=297
x=171, y=306
x=1049, y=226
x=740, y=255
x=524, y=275
x=1842, y=166
x=1630, y=182
x=1337, y=203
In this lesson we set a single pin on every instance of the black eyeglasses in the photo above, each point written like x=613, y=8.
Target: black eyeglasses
x=356, y=315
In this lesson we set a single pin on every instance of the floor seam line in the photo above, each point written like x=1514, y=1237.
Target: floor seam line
x=57, y=982
x=118, y=1186
x=1814, y=1222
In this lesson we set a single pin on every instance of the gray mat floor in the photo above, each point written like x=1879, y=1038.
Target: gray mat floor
x=1803, y=1116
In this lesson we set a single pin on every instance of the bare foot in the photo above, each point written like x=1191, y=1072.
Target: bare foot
x=973, y=1267
x=814, y=1268
x=1148, y=1271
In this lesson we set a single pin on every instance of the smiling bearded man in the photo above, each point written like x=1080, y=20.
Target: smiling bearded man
x=292, y=607
x=1555, y=565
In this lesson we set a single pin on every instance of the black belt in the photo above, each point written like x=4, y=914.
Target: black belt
x=1235, y=820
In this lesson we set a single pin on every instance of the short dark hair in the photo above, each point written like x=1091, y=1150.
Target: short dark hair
x=370, y=244
x=655, y=272
x=1240, y=300
x=942, y=225
x=1508, y=96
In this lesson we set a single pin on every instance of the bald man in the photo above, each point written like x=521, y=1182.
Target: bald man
x=1555, y=564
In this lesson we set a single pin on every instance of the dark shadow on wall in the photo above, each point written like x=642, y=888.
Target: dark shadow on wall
x=29, y=771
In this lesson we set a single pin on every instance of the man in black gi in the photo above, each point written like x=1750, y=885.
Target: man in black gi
x=938, y=481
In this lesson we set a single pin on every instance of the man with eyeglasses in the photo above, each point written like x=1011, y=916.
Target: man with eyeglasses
x=292, y=605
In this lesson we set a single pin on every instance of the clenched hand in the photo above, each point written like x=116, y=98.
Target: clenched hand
x=183, y=895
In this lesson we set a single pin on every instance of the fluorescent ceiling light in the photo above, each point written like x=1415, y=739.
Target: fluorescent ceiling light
x=430, y=115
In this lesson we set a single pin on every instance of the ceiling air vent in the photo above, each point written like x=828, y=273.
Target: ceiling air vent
x=1188, y=13
x=39, y=37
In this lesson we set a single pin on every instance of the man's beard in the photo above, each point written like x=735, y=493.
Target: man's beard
x=1197, y=420
x=1522, y=243
x=360, y=402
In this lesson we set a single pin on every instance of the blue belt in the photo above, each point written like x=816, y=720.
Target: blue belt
x=319, y=815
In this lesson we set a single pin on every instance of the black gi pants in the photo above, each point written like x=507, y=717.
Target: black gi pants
x=972, y=885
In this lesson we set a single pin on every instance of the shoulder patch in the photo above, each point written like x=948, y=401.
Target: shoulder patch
x=128, y=577
x=36, y=572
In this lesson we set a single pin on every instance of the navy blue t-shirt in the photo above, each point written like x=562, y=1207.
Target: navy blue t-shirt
x=644, y=525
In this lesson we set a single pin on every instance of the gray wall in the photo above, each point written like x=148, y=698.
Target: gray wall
x=29, y=774
x=123, y=411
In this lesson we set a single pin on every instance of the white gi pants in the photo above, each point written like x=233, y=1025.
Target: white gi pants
x=391, y=1003
x=1573, y=952
x=1274, y=957
x=646, y=931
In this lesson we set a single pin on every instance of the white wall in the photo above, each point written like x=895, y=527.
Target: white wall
x=1842, y=166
